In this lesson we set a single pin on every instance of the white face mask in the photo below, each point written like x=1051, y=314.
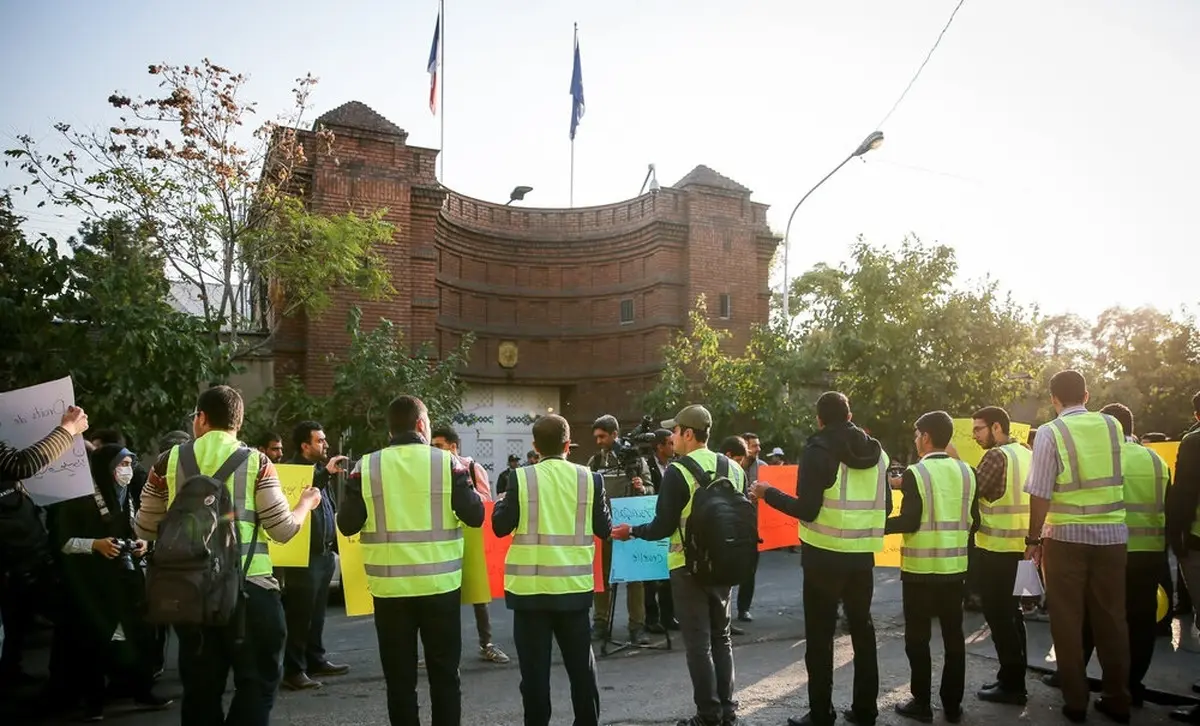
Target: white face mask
x=124, y=475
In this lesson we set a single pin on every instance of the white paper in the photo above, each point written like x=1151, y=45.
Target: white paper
x=1028, y=583
x=28, y=415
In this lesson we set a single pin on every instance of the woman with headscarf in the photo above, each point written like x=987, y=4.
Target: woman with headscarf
x=104, y=579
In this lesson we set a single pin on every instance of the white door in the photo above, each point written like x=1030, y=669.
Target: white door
x=497, y=421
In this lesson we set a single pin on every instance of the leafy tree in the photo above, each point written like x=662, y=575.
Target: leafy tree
x=217, y=202
x=378, y=366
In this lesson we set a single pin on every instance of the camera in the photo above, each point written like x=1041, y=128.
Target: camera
x=630, y=449
x=125, y=554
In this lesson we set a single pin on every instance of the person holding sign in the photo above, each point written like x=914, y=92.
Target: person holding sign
x=1000, y=546
x=703, y=610
x=843, y=502
x=410, y=502
x=935, y=517
x=554, y=510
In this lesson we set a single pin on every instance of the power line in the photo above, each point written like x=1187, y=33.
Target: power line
x=923, y=63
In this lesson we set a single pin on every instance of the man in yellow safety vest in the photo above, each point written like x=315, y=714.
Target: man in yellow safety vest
x=1077, y=525
x=1000, y=547
x=410, y=502
x=935, y=517
x=554, y=509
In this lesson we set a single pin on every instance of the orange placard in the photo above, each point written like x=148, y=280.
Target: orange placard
x=775, y=528
x=495, y=549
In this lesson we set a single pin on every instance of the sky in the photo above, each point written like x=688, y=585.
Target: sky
x=1049, y=142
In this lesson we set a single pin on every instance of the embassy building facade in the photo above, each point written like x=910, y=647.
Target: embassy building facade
x=570, y=308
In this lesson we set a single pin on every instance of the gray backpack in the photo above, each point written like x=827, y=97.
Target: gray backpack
x=194, y=575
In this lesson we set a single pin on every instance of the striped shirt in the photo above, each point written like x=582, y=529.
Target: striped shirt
x=17, y=464
x=1044, y=471
x=271, y=505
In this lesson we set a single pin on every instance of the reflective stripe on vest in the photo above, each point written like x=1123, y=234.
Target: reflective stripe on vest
x=853, y=511
x=1004, y=523
x=211, y=450
x=553, y=547
x=412, y=543
x=1090, y=488
x=940, y=545
x=1145, y=498
x=708, y=462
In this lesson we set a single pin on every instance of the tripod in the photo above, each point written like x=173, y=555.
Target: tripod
x=620, y=645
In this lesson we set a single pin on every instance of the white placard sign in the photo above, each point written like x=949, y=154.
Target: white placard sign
x=27, y=415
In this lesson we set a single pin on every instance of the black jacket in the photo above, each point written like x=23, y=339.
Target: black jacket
x=824, y=452
x=1183, y=496
x=507, y=515
x=324, y=536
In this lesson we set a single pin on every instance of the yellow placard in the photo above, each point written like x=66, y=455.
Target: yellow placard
x=971, y=452
x=476, y=588
x=293, y=479
x=890, y=557
x=354, y=577
x=1168, y=450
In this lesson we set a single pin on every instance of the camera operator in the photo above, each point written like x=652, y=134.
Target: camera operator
x=104, y=585
x=660, y=611
x=608, y=439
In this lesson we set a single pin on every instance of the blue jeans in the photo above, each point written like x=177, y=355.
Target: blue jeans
x=206, y=655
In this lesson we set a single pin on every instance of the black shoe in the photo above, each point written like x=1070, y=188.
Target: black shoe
x=745, y=616
x=953, y=714
x=1186, y=715
x=299, y=682
x=807, y=720
x=735, y=630
x=1105, y=707
x=1073, y=715
x=600, y=631
x=731, y=721
x=914, y=709
x=997, y=694
x=1196, y=687
x=672, y=624
x=151, y=702
x=696, y=721
x=853, y=718
x=329, y=669
x=1052, y=680
x=656, y=628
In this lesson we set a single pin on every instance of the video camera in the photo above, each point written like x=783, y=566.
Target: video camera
x=629, y=450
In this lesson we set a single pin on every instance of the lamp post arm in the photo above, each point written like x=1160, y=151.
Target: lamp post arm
x=788, y=232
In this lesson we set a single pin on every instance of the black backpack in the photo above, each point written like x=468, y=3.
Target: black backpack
x=720, y=542
x=194, y=575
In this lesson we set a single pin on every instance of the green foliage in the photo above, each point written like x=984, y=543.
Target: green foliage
x=376, y=368
x=102, y=317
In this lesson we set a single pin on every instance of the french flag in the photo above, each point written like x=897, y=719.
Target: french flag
x=435, y=57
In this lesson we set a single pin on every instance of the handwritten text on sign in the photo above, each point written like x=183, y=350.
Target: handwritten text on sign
x=293, y=479
x=637, y=560
x=28, y=415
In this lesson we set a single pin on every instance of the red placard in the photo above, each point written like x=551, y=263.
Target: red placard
x=775, y=528
x=495, y=549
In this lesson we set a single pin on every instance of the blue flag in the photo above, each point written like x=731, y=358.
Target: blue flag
x=576, y=91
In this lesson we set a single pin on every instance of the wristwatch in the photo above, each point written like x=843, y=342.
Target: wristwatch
x=1033, y=541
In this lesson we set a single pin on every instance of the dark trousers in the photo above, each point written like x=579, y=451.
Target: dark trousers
x=745, y=594
x=1002, y=610
x=483, y=625
x=659, y=608
x=123, y=664
x=437, y=619
x=206, y=655
x=824, y=589
x=704, y=624
x=305, y=600
x=924, y=601
x=535, y=632
x=1141, y=607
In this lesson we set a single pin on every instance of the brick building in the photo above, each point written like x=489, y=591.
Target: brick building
x=569, y=307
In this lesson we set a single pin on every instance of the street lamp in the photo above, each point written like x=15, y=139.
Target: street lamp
x=873, y=141
x=518, y=194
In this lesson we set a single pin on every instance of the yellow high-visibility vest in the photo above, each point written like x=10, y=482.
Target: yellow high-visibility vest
x=553, y=547
x=853, y=512
x=939, y=547
x=1090, y=489
x=1146, y=477
x=708, y=462
x=1004, y=523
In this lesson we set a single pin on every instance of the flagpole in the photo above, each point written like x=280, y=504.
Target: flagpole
x=442, y=90
x=572, y=193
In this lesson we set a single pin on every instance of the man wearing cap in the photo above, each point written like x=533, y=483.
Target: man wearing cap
x=703, y=611
x=776, y=457
x=660, y=613
x=506, y=476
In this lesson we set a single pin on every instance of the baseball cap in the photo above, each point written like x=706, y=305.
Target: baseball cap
x=691, y=417
x=776, y=452
x=513, y=457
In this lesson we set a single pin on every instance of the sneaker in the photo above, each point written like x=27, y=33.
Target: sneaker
x=492, y=654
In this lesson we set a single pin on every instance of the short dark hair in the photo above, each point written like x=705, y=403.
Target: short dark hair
x=750, y=436
x=991, y=415
x=735, y=445
x=1069, y=388
x=1155, y=437
x=833, y=408
x=606, y=423
x=265, y=440
x=551, y=434
x=1122, y=414
x=223, y=407
x=302, y=433
x=700, y=434
x=939, y=426
x=108, y=436
x=403, y=414
x=447, y=432
x=1196, y=403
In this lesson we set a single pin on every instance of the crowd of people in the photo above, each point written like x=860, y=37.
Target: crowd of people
x=1083, y=500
